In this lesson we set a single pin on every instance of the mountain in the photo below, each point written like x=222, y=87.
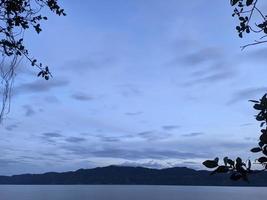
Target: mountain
x=133, y=176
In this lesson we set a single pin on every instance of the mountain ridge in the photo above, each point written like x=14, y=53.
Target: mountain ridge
x=127, y=175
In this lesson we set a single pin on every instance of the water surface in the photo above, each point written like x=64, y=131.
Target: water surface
x=117, y=192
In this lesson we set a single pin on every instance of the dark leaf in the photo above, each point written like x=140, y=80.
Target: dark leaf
x=258, y=107
x=233, y=2
x=261, y=144
x=249, y=2
x=210, y=164
x=262, y=159
x=249, y=164
x=256, y=149
x=40, y=73
x=225, y=160
x=230, y=162
x=263, y=138
x=222, y=169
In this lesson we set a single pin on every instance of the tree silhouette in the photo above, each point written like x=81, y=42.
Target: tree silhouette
x=245, y=11
x=17, y=16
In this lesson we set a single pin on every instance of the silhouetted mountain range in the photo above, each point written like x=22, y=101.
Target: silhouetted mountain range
x=134, y=176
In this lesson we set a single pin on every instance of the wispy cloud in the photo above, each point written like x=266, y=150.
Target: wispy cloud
x=130, y=154
x=29, y=111
x=170, y=127
x=247, y=94
x=75, y=139
x=201, y=56
x=40, y=86
x=193, y=134
x=51, y=137
x=153, y=135
x=133, y=113
x=217, y=72
x=82, y=97
x=11, y=127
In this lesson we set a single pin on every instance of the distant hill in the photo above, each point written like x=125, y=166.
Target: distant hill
x=133, y=176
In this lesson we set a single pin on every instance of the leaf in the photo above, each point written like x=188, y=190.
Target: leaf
x=238, y=161
x=233, y=2
x=256, y=149
x=262, y=159
x=210, y=164
x=40, y=73
x=225, y=159
x=258, y=107
x=263, y=138
x=230, y=162
x=260, y=118
x=261, y=144
x=261, y=26
x=249, y=2
x=222, y=169
x=249, y=164
x=264, y=151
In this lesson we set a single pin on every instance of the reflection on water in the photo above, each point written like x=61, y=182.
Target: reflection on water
x=117, y=192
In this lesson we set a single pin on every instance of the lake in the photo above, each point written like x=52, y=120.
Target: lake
x=118, y=192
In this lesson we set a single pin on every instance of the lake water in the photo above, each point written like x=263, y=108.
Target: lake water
x=87, y=192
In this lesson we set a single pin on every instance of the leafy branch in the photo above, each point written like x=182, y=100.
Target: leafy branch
x=245, y=10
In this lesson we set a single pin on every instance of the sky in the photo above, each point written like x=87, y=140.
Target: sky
x=154, y=83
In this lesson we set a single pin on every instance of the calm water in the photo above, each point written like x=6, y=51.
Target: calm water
x=129, y=193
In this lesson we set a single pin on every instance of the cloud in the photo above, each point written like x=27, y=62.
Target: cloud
x=193, y=134
x=75, y=139
x=11, y=127
x=247, y=94
x=150, y=164
x=246, y=124
x=129, y=90
x=217, y=72
x=51, y=136
x=130, y=154
x=256, y=55
x=82, y=97
x=104, y=138
x=236, y=145
x=40, y=86
x=133, y=113
x=51, y=99
x=95, y=62
x=215, y=77
x=7, y=162
x=170, y=127
x=153, y=135
x=28, y=110
x=201, y=56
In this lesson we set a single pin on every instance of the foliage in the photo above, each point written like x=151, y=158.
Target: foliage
x=17, y=16
x=238, y=168
x=244, y=10
x=251, y=20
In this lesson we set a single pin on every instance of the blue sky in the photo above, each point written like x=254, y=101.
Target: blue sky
x=152, y=83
